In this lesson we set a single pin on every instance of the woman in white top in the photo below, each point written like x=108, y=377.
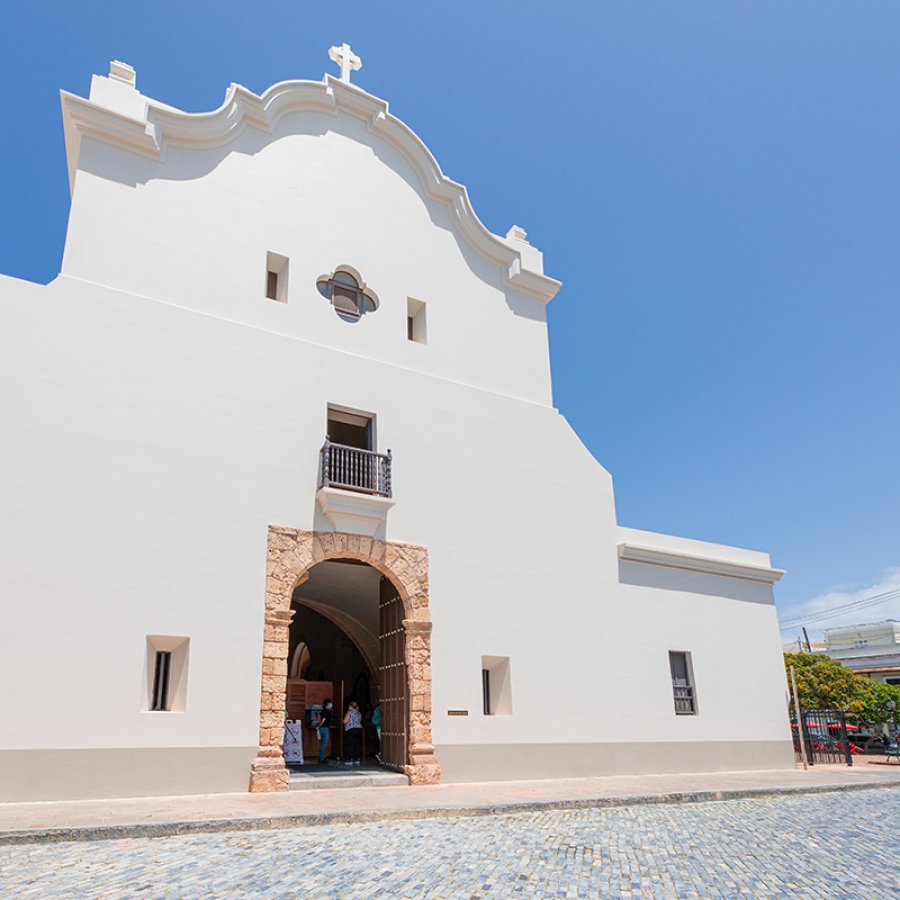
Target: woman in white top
x=353, y=734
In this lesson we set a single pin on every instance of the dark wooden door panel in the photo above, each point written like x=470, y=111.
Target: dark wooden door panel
x=394, y=697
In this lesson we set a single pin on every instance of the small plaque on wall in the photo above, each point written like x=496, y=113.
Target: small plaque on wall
x=457, y=712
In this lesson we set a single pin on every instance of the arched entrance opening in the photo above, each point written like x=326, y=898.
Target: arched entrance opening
x=343, y=647
x=398, y=648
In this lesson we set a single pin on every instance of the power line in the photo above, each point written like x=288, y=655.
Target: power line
x=863, y=601
x=850, y=607
x=825, y=614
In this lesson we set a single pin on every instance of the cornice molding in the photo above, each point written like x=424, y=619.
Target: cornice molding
x=163, y=127
x=674, y=559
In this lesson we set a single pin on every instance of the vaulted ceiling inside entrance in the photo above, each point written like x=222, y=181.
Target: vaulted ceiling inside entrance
x=350, y=588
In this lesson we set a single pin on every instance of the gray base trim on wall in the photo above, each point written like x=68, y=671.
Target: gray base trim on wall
x=154, y=772
x=513, y=762
x=122, y=772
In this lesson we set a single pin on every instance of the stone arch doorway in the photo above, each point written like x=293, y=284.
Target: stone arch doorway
x=354, y=617
x=291, y=555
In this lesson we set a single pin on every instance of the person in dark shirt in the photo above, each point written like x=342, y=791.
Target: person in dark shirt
x=353, y=734
x=326, y=720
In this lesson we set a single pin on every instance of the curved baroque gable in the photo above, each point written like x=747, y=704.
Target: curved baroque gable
x=162, y=127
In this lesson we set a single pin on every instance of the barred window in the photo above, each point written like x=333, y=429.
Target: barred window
x=682, y=683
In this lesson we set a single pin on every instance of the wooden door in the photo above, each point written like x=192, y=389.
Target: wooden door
x=394, y=689
x=302, y=694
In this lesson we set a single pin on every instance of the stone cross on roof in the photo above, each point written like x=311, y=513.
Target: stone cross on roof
x=346, y=59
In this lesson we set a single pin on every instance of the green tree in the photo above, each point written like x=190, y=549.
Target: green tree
x=877, y=711
x=824, y=683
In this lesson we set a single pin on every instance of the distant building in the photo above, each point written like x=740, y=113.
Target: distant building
x=872, y=650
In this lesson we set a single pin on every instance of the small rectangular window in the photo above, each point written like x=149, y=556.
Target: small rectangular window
x=496, y=688
x=416, y=330
x=166, y=678
x=160, y=699
x=682, y=683
x=276, y=277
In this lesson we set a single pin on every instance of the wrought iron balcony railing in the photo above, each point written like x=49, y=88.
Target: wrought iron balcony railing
x=354, y=469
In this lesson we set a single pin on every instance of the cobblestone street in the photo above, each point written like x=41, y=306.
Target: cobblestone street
x=842, y=844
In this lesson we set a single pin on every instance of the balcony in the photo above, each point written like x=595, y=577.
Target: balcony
x=354, y=491
x=354, y=469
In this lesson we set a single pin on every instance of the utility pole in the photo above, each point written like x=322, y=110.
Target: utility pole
x=800, y=734
x=805, y=635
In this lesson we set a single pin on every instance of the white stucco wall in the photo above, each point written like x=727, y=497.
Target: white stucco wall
x=160, y=414
x=320, y=191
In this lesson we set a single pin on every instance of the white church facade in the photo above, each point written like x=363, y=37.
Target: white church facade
x=283, y=427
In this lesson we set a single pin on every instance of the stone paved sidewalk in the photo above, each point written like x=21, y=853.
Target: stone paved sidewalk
x=156, y=816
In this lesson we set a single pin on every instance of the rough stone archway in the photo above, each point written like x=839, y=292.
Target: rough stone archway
x=291, y=554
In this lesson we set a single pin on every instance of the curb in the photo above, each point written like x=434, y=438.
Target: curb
x=310, y=820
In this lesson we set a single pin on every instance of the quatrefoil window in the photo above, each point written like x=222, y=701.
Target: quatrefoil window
x=348, y=294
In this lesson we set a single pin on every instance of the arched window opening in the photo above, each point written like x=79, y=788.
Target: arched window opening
x=300, y=660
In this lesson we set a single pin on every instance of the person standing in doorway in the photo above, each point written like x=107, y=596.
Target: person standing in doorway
x=353, y=733
x=376, y=724
x=326, y=720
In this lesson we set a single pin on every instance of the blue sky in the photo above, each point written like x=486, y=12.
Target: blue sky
x=717, y=185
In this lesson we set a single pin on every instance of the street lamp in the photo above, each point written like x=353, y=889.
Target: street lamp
x=892, y=706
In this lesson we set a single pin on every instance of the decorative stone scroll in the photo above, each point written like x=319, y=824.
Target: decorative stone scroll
x=291, y=554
